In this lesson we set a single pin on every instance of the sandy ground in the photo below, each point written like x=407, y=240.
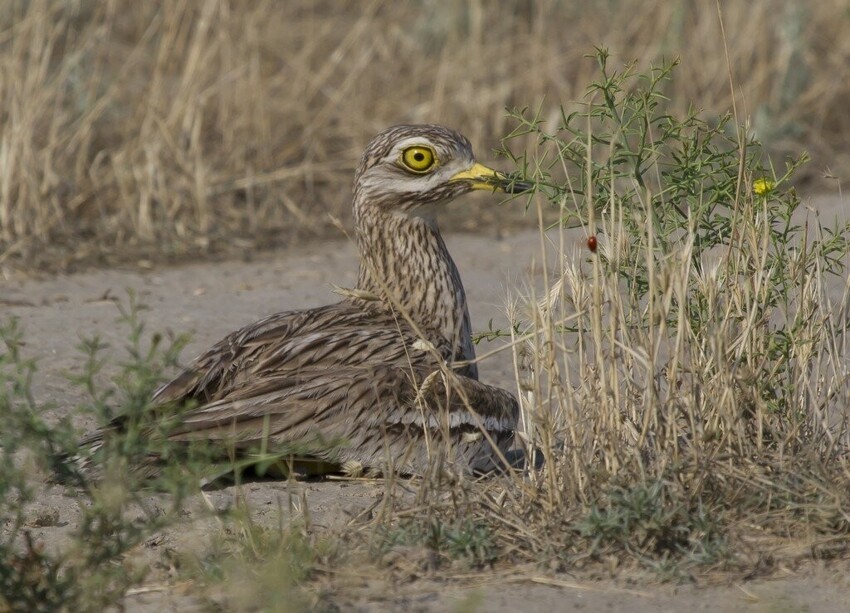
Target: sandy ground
x=209, y=300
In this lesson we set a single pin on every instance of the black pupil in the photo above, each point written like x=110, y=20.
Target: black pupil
x=419, y=156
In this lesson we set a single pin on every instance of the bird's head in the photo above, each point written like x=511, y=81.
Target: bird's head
x=410, y=168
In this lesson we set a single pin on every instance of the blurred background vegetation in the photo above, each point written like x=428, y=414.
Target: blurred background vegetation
x=180, y=128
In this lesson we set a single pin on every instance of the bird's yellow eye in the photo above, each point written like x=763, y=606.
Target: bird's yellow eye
x=418, y=158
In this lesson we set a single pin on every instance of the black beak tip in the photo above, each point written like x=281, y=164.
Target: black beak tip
x=518, y=187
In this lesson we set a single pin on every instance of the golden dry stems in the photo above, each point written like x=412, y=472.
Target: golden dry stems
x=636, y=403
x=615, y=403
x=184, y=125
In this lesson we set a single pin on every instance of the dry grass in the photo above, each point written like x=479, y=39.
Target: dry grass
x=162, y=129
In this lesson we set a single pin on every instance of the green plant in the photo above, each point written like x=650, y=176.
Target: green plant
x=30, y=578
x=131, y=488
x=653, y=522
x=116, y=510
x=467, y=540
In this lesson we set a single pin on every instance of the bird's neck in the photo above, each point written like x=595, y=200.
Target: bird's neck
x=405, y=261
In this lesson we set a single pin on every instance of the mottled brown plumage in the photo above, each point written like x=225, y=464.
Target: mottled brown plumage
x=388, y=373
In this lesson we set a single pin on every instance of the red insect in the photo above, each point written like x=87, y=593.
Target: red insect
x=591, y=244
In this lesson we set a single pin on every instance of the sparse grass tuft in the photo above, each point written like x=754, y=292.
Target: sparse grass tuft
x=656, y=524
x=464, y=542
x=249, y=567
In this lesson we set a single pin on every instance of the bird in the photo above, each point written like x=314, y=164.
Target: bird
x=383, y=381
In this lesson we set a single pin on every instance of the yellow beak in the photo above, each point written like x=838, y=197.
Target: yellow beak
x=480, y=176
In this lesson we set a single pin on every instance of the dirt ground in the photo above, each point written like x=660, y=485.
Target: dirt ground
x=211, y=299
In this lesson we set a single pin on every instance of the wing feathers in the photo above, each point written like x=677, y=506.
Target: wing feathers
x=344, y=375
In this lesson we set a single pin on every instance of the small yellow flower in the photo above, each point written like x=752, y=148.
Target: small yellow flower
x=762, y=187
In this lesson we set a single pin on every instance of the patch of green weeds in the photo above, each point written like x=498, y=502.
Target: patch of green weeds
x=466, y=541
x=654, y=523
